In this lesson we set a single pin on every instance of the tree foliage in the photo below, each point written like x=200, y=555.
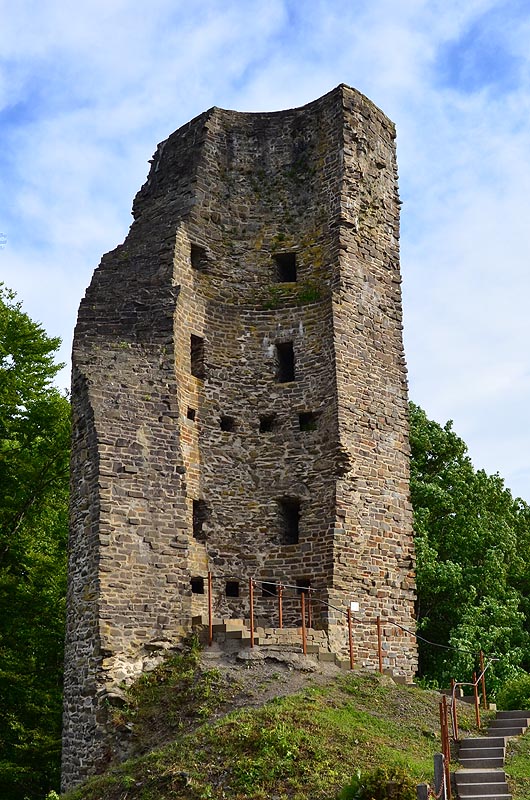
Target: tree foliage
x=471, y=540
x=34, y=453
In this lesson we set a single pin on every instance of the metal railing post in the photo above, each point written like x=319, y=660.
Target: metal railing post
x=379, y=645
x=454, y=717
x=251, y=600
x=447, y=747
x=483, y=679
x=350, y=638
x=304, y=642
x=477, y=704
x=210, y=613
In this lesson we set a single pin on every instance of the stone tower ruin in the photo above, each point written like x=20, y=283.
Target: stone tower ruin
x=239, y=400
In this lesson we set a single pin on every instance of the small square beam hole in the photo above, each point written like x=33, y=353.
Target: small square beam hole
x=197, y=585
x=268, y=423
x=303, y=585
x=232, y=589
x=308, y=420
x=227, y=423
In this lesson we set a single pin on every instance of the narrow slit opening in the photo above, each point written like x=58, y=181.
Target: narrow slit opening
x=289, y=519
x=284, y=362
x=197, y=356
x=200, y=516
x=198, y=257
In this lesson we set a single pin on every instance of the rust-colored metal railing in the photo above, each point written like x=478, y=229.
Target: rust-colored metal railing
x=251, y=602
x=210, y=614
x=474, y=684
x=304, y=632
x=446, y=744
x=379, y=645
x=350, y=638
x=309, y=596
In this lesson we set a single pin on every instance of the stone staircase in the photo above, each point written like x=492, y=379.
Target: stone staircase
x=481, y=776
x=232, y=634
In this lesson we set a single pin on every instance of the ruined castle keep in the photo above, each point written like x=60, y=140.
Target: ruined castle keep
x=239, y=401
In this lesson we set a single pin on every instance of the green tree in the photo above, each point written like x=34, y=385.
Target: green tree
x=472, y=573
x=34, y=454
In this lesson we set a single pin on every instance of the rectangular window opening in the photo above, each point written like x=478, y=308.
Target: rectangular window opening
x=269, y=590
x=302, y=585
x=285, y=267
x=284, y=362
x=200, y=516
x=197, y=356
x=197, y=585
x=227, y=423
x=232, y=589
x=268, y=423
x=289, y=519
x=308, y=420
x=198, y=257
x=191, y=413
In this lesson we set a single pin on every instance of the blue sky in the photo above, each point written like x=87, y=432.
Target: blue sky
x=87, y=92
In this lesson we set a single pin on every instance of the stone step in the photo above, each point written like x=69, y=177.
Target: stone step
x=489, y=796
x=514, y=715
x=326, y=656
x=482, y=741
x=482, y=752
x=503, y=729
x=238, y=633
x=490, y=789
x=482, y=796
x=481, y=763
x=234, y=624
x=508, y=722
x=480, y=776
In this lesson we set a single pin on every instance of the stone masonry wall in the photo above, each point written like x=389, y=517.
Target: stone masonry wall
x=239, y=399
x=373, y=547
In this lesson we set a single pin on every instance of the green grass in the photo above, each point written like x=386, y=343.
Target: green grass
x=518, y=767
x=306, y=745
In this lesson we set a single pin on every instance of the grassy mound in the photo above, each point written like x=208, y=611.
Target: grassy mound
x=308, y=744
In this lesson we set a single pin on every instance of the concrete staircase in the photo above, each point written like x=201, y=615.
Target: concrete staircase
x=481, y=776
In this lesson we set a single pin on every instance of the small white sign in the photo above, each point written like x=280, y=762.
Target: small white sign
x=354, y=605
